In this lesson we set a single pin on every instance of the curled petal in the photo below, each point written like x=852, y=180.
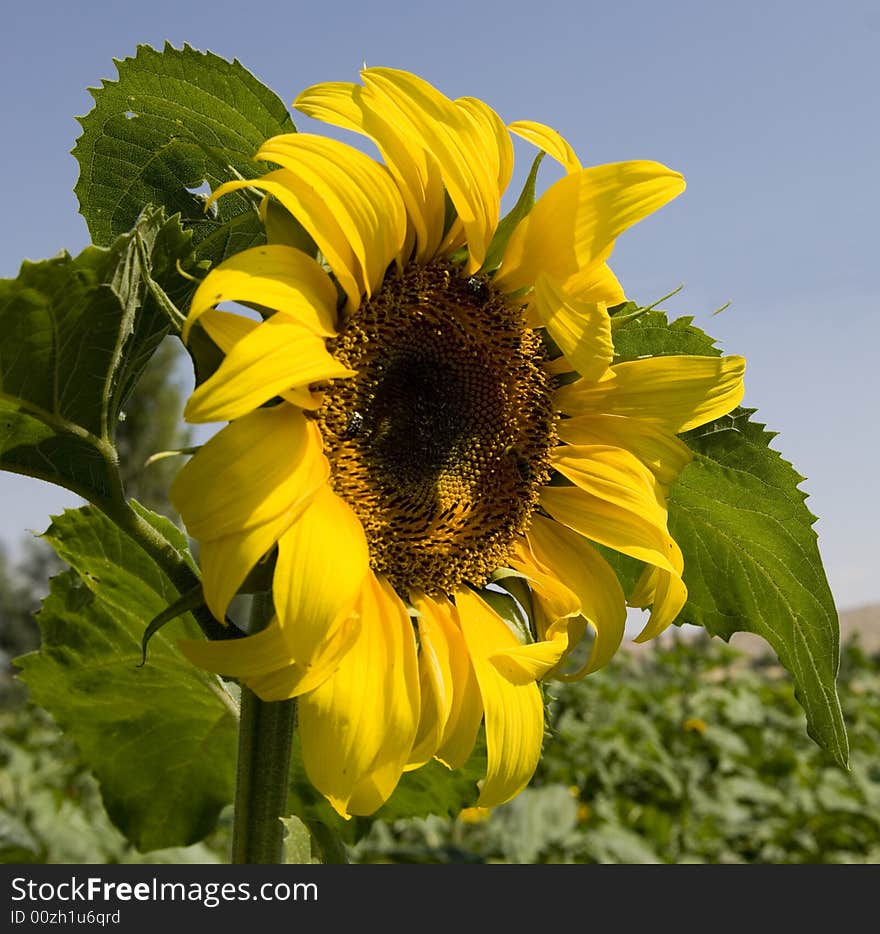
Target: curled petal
x=581, y=329
x=588, y=574
x=574, y=224
x=277, y=355
x=514, y=710
x=677, y=393
x=655, y=446
x=277, y=277
x=615, y=500
x=358, y=727
x=548, y=140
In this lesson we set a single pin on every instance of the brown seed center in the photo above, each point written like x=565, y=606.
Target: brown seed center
x=441, y=442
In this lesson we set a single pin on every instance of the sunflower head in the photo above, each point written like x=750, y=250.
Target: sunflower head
x=427, y=402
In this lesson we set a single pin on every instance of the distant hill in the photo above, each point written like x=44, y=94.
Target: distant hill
x=862, y=622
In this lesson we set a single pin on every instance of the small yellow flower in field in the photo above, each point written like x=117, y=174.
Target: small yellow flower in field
x=694, y=725
x=474, y=815
x=432, y=399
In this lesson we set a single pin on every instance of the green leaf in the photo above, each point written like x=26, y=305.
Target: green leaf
x=509, y=222
x=752, y=562
x=173, y=121
x=653, y=335
x=297, y=841
x=75, y=335
x=161, y=739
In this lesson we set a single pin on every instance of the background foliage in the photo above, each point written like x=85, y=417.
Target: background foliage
x=689, y=752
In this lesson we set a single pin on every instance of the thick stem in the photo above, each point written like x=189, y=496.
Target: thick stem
x=264, y=748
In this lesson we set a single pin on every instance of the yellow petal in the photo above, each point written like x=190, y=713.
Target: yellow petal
x=257, y=468
x=574, y=224
x=357, y=190
x=240, y=658
x=663, y=591
x=615, y=501
x=596, y=284
x=316, y=217
x=676, y=393
x=582, y=330
x=226, y=329
x=264, y=663
x=527, y=663
x=548, y=140
x=277, y=355
x=451, y=705
x=493, y=134
x=295, y=680
x=322, y=562
x=304, y=398
x=557, y=599
x=514, y=712
x=655, y=446
x=226, y=561
x=457, y=144
x=588, y=574
x=358, y=727
x=274, y=276
x=353, y=107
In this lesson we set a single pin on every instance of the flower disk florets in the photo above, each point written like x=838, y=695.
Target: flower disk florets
x=442, y=441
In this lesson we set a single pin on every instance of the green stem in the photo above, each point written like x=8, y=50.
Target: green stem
x=264, y=748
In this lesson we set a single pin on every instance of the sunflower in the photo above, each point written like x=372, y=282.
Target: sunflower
x=429, y=403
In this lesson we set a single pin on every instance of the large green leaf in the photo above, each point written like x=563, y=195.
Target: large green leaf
x=752, y=562
x=175, y=120
x=161, y=739
x=75, y=335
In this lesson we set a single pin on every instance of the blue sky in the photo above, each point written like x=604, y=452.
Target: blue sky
x=768, y=108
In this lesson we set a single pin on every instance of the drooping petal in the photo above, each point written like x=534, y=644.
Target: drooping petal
x=615, y=501
x=655, y=446
x=548, y=140
x=455, y=141
x=356, y=108
x=557, y=599
x=492, y=132
x=596, y=284
x=451, y=705
x=524, y=664
x=277, y=355
x=252, y=471
x=665, y=592
x=240, y=658
x=581, y=329
x=592, y=579
x=295, y=680
x=358, y=727
x=359, y=192
x=514, y=712
x=322, y=563
x=574, y=224
x=677, y=392
x=316, y=217
x=225, y=328
x=264, y=663
x=278, y=277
